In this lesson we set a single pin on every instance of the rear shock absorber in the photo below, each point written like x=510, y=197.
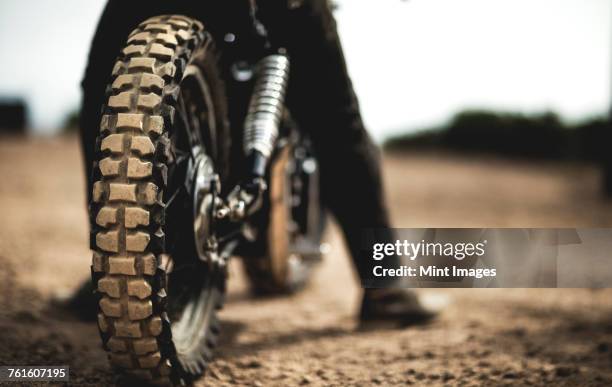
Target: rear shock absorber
x=261, y=127
x=266, y=106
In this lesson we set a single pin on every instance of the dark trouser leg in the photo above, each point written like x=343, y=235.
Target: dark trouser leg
x=322, y=101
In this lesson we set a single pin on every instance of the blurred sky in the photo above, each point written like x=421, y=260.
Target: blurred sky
x=414, y=63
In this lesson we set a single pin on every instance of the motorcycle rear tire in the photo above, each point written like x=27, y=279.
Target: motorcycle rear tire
x=136, y=159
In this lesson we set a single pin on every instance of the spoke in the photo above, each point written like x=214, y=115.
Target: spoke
x=174, y=195
x=186, y=125
x=182, y=156
x=195, y=125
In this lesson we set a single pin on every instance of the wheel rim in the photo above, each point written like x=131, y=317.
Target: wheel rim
x=194, y=287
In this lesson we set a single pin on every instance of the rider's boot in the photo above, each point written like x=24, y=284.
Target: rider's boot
x=388, y=299
x=395, y=305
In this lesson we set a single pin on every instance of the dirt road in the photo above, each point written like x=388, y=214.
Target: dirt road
x=513, y=337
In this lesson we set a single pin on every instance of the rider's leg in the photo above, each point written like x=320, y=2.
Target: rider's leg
x=322, y=101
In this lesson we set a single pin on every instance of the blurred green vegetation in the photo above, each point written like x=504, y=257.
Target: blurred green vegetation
x=541, y=136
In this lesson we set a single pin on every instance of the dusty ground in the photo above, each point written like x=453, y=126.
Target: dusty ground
x=490, y=337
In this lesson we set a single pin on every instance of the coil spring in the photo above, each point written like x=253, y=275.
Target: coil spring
x=266, y=105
